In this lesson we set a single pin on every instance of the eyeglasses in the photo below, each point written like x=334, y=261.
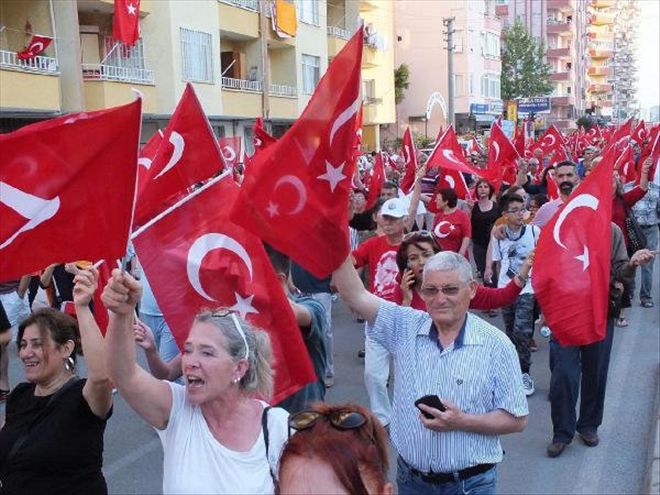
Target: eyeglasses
x=516, y=211
x=341, y=420
x=418, y=234
x=431, y=291
x=221, y=313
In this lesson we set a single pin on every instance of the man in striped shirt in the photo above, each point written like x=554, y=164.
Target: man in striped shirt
x=469, y=364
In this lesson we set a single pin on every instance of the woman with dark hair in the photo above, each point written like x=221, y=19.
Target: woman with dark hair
x=417, y=247
x=484, y=214
x=54, y=404
x=451, y=226
x=336, y=449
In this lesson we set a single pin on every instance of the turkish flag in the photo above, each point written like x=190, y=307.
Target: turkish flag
x=453, y=179
x=358, y=134
x=231, y=150
x=410, y=158
x=552, y=189
x=651, y=150
x=36, y=46
x=448, y=154
x=295, y=193
x=374, y=181
x=60, y=201
x=620, y=137
x=571, y=275
x=196, y=257
x=188, y=154
x=519, y=141
x=147, y=155
x=261, y=139
x=551, y=140
x=125, y=27
x=502, y=156
x=639, y=134
x=625, y=165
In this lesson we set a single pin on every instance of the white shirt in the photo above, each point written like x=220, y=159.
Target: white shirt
x=195, y=462
x=511, y=252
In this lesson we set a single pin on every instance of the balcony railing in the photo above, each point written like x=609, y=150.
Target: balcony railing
x=371, y=100
x=252, y=5
x=283, y=90
x=339, y=32
x=43, y=65
x=241, y=85
x=101, y=72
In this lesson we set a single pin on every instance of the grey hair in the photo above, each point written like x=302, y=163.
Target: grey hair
x=448, y=261
x=259, y=376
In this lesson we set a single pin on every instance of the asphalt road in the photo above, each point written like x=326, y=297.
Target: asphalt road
x=133, y=455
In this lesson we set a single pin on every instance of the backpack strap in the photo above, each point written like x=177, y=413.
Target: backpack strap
x=264, y=428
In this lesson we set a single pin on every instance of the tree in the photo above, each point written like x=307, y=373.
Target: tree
x=524, y=71
x=401, y=82
x=585, y=122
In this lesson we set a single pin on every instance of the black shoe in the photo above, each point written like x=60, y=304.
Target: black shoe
x=361, y=353
x=360, y=320
x=555, y=449
x=590, y=439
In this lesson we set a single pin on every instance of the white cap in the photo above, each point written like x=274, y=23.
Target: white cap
x=394, y=207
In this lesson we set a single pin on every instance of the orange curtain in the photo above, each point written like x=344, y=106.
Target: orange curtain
x=285, y=13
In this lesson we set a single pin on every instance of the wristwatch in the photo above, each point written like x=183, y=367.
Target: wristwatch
x=522, y=280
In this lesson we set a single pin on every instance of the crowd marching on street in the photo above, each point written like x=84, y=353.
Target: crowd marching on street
x=224, y=277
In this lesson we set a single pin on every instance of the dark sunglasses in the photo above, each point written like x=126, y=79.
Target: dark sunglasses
x=431, y=291
x=342, y=420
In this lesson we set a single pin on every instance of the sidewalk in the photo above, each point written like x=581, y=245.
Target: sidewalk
x=653, y=477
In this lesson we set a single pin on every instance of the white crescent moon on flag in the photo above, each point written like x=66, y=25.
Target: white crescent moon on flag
x=344, y=117
x=179, y=145
x=583, y=200
x=496, y=145
x=34, y=49
x=300, y=188
x=201, y=247
x=35, y=209
x=450, y=181
x=449, y=155
x=229, y=153
x=437, y=231
x=552, y=138
x=145, y=162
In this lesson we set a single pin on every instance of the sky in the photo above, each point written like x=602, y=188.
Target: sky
x=648, y=53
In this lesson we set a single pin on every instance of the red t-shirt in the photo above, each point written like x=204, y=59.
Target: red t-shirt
x=380, y=255
x=450, y=229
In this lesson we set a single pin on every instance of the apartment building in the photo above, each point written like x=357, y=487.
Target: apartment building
x=624, y=61
x=561, y=25
x=477, y=64
x=240, y=65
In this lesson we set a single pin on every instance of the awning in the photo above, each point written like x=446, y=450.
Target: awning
x=483, y=118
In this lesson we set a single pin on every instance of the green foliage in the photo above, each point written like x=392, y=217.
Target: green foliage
x=401, y=82
x=524, y=72
x=422, y=141
x=585, y=122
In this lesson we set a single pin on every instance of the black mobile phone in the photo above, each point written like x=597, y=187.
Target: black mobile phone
x=431, y=401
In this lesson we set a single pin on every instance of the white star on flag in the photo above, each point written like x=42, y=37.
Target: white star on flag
x=584, y=258
x=333, y=175
x=131, y=9
x=272, y=209
x=243, y=305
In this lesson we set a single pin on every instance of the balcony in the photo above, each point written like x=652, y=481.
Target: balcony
x=239, y=18
x=283, y=107
x=562, y=100
x=600, y=71
x=600, y=54
x=559, y=52
x=337, y=38
x=101, y=72
x=563, y=5
x=502, y=10
x=603, y=4
x=105, y=93
x=599, y=88
x=107, y=6
x=282, y=90
x=241, y=85
x=368, y=5
x=559, y=27
x=29, y=84
x=601, y=19
x=560, y=76
x=371, y=57
x=246, y=104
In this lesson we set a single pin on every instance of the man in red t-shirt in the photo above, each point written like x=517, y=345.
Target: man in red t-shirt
x=380, y=254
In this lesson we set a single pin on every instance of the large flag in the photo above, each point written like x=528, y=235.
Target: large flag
x=409, y=153
x=625, y=165
x=125, y=26
x=453, y=179
x=374, y=181
x=620, y=136
x=551, y=140
x=572, y=264
x=60, y=201
x=261, y=139
x=448, y=154
x=652, y=150
x=188, y=154
x=37, y=45
x=502, y=156
x=147, y=155
x=231, y=150
x=295, y=193
x=639, y=134
x=196, y=257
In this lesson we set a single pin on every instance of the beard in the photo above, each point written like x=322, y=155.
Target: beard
x=566, y=188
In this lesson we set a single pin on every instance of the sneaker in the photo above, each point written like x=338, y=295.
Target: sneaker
x=647, y=304
x=528, y=384
x=329, y=381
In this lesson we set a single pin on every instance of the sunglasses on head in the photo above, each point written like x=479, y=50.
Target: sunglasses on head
x=222, y=313
x=341, y=420
x=418, y=234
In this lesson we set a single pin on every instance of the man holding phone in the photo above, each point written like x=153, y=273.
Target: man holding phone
x=467, y=364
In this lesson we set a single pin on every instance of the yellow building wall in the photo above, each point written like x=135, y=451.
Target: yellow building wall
x=283, y=108
x=237, y=20
x=25, y=91
x=105, y=94
x=240, y=104
x=14, y=14
x=283, y=66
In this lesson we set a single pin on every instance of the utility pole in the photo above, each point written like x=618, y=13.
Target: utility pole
x=448, y=22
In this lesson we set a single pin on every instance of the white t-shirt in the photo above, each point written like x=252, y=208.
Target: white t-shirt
x=195, y=462
x=511, y=252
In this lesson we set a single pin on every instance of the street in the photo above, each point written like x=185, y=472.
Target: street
x=133, y=456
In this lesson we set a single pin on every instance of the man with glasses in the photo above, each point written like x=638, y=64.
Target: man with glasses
x=509, y=254
x=444, y=351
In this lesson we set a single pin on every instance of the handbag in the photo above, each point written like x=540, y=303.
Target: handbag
x=636, y=238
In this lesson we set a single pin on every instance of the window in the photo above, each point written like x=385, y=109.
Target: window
x=472, y=89
x=491, y=45
x=311, y=72
x=196, y=56
x=248, y=139
x=459, y=88
x=119, y=54
x=490, y=86
x=309, y=11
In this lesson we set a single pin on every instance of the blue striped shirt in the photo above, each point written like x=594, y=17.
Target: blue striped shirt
x=480, y=376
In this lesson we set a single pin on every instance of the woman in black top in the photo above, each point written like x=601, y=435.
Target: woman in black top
x=52, y=441
x=484, y=214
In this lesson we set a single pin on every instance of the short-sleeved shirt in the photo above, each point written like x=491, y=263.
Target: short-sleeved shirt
x=546, y=211
x=511, y=253
x=195, y=462
x=380, y=255
x=480, y=375
x=450, y=229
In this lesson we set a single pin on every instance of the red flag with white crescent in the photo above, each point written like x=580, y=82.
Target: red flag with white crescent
x=37, y=45
x=571, y=276
x=453, y=179
x=374, y=181
x=260, y=138
x=230, y=146
x=639, y=134
x=410, y=159
x=448, y=154
x=196, y=257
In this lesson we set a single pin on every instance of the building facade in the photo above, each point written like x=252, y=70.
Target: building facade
x=561, y=25
x=476, y=59
x=229, y=49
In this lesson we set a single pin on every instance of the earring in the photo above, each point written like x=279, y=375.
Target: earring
x=235, y=380
x=69, y=364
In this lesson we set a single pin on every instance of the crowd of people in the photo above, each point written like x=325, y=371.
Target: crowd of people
x=425, y=273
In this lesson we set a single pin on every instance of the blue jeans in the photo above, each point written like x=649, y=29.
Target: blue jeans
x=411, y=484
x=651, y=233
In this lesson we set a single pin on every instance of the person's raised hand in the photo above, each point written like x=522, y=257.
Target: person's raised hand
x=85, y=284
x=122, y=293
x=143, y=335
